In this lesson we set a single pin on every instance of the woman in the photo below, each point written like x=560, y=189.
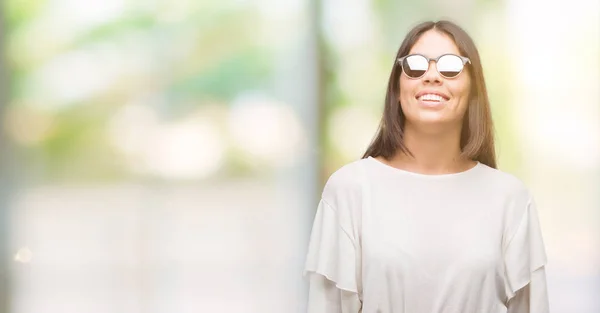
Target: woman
x=424, y=222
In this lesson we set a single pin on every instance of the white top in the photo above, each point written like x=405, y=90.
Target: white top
x=386, y=240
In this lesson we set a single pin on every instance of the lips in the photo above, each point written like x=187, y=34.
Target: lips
x=429, y=95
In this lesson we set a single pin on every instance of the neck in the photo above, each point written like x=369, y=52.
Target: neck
x=432, y=152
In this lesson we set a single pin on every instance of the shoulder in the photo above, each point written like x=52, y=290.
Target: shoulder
x=513, y=195
x=345, y=184
x=505, y=184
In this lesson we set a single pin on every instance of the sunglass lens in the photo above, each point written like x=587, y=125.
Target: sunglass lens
x=415, y=66
x=450, y=65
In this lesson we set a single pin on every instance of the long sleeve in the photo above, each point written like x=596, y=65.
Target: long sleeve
x=533, y=298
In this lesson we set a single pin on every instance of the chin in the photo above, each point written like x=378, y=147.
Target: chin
x=432, y=119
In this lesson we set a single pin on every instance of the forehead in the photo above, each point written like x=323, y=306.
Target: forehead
x=433, y=43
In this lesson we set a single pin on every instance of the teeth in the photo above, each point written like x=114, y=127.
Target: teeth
x=431, y=97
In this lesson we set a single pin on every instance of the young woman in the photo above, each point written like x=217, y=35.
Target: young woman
x=424, y=222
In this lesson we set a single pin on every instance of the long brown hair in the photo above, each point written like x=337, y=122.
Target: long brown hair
x=477, y=137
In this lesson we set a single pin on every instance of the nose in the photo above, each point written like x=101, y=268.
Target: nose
x=432, y=76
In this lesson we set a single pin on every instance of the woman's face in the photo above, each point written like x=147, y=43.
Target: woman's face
x=454, y=92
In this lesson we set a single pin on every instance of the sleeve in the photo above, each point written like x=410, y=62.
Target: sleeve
x=331, y=264
x=325, y=297
x=533, y=297
x=525, y=260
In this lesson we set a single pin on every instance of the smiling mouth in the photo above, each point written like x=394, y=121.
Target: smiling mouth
x=434, y=98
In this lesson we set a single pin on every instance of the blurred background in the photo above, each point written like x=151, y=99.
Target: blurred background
x=168, y=156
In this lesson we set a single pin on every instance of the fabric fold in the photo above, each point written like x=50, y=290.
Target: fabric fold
x=525, y=252
x=331, y=251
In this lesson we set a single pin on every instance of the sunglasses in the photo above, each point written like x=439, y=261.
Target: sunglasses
x=448, y=65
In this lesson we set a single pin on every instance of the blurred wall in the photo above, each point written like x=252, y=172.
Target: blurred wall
x=167, y=155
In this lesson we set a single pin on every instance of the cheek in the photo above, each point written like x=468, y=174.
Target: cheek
x=407, y=87
x=462, y=91
x=467, y=85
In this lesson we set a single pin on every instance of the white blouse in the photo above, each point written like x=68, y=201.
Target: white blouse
x=386, y=240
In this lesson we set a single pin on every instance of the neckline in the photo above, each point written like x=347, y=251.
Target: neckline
x=429, y=176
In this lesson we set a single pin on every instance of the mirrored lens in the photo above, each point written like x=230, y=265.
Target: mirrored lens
x=449, y=65
x=415, y=66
